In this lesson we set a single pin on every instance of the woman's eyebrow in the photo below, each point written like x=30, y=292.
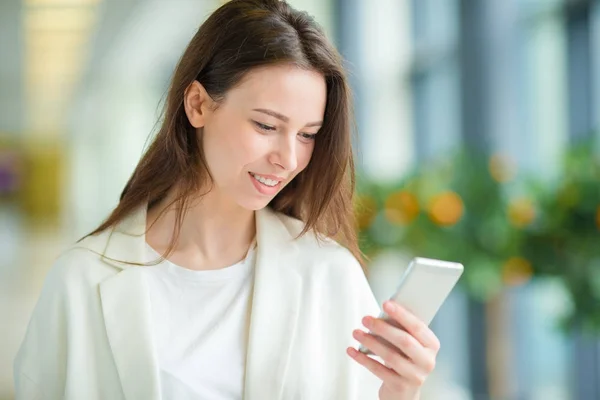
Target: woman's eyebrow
x=283, y=117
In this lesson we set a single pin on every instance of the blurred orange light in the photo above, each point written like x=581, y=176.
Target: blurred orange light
x=521, y=212
x=516, y=271
x=446, y=209
x=401, y=207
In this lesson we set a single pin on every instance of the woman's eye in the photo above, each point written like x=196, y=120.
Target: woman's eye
x=263, y=126
x=309, y=136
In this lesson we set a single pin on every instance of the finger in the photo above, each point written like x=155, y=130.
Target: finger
x=393, y=359
x=413, y=325
x=404, y=341
x=387, y=375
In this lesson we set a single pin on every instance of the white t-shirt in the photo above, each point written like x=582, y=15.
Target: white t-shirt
x=200, y=322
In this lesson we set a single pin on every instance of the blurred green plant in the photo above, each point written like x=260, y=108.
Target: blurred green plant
x=505, y=228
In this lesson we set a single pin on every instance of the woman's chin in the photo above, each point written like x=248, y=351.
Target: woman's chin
x=255, y=204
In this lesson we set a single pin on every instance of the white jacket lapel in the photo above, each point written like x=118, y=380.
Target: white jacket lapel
x=126, y=310
x=275, y=305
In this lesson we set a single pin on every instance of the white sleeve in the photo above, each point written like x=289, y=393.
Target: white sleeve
x=367, y=384
x=40, y=364
x=356, y=301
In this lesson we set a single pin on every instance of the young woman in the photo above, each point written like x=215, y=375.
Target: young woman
x=230, y=267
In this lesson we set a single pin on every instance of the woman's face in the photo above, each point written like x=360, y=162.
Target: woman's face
x=262, y=134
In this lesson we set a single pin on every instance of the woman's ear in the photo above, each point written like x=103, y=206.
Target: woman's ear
x=197, y=103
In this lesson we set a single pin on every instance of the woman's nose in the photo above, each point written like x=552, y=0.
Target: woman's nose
x=285, y=156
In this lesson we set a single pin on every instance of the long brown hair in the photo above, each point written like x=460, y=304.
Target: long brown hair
x=237, y=37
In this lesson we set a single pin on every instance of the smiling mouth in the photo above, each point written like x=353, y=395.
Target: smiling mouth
x=265, y=181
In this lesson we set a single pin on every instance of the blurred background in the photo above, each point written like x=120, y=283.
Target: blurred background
x=479, y=142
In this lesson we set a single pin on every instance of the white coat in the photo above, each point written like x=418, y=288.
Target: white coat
x=90, y=338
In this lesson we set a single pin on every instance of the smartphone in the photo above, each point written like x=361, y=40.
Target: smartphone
x=423, y=288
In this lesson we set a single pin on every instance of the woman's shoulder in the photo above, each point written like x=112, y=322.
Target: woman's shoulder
x=295, y=226
x=79, y=263
x=323, y=261
x=316, y=246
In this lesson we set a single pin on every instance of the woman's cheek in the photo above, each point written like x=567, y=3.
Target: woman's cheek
x=305, y=157
x=254, y=146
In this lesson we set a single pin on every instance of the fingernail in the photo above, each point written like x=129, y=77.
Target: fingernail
x=352, y=352
x=390, y=306
x=367, y=321
x=358, y=333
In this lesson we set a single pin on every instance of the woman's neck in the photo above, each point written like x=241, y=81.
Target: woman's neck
x=214, y=233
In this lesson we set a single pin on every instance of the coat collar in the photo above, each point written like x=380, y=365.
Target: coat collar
x=273, y=321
